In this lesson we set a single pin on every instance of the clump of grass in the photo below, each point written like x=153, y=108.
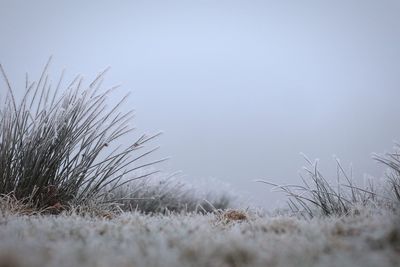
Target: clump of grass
x=317, y=196
x=392, y=161
x=160, y=193
x=57, y=146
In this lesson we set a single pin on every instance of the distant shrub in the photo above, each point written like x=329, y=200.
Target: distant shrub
x=160, y=193
x=56, y=146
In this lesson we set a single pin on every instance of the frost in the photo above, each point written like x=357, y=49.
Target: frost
x=133, y=239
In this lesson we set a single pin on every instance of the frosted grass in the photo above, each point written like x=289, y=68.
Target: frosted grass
x=371, y=238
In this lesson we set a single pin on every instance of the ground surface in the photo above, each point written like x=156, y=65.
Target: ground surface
x=368, y=239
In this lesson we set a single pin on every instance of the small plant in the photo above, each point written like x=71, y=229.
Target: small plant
x=57, y=147
x=392, y=161
x=318, y=196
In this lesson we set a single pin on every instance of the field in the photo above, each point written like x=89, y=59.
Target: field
x=71, y=195
x=370, y=237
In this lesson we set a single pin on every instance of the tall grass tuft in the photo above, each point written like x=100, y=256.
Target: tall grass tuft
x=59, y=146
x=392, y=161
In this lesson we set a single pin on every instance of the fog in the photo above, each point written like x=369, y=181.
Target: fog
x=239, y=88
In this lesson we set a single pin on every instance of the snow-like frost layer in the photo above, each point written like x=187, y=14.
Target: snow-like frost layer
x=132, y=239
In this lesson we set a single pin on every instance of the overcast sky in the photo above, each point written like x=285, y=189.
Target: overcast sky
x=238, y=87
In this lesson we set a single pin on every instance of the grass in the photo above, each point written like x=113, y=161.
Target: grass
x=392, y=161
x=59, y=148
x=160, y=193
x=372, y=238
x=318, y=196
x=56, y=144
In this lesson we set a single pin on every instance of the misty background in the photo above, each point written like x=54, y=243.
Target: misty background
x=238, y=87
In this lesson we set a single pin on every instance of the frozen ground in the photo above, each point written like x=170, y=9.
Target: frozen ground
x=371, y=238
